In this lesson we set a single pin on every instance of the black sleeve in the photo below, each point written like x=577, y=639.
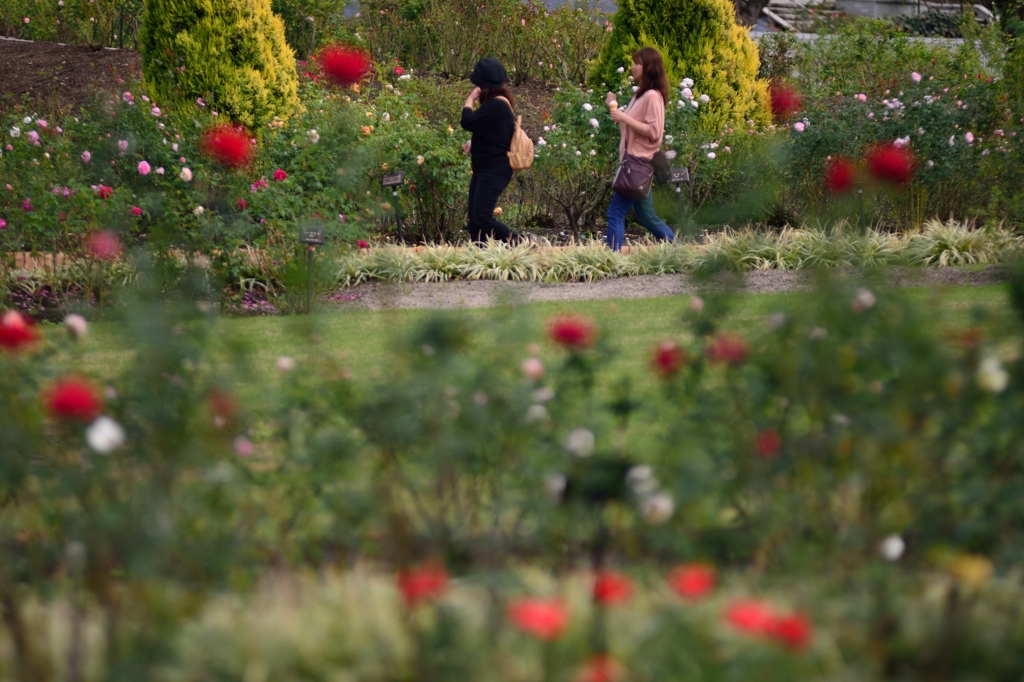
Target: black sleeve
x=485, y=116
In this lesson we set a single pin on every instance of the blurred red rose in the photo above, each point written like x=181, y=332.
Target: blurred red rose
x=106, y=192
x=668, y=359
x=345, y=65
x=363, y=244
x=544, y=619
x=228, y=145
x=754, y=617
x=222, y=404
x=730, y=349
x=794, y=631
x=74, y=399
x=785, y=100
x=890, y=163
x=571, y=331
x=422, y=584
x=104, y=245
x=16, y=331
x=840, y=175
x=136, y=210
x=768, y=443
x=693, y=581
x=399, y=70
x=600, y=668
x=242, y=204
x=612, y=588
x=280, y=175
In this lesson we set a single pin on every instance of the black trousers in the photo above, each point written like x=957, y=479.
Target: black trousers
x=484, y=191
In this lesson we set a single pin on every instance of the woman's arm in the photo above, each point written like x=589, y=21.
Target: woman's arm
x=647, y=121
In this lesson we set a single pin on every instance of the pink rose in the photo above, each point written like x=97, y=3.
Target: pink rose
x=144, y=168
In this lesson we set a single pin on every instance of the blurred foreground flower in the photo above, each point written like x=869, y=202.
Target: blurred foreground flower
x=840, y=175
x=16, y=332
x=693, y=581
x=612, y=588
x=422, y=584
x=103, y=245
x=768, y=443
x=72, y=399
x=793, y=631
x=104, y=435
x=991, y=376
x=344, y=65
x=228, y=145
x=750, y=616
x=600, y=668
x=785, y=100
x=668, y=359
x=545, y=619
x=729, y=349
x=571, y=331
x=76, y=325
x=892, y=164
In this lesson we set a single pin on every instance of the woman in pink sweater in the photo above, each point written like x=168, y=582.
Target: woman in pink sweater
x=642, y=123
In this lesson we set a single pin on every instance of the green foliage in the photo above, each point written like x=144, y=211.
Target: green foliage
x=698, y=40
x=934, y=23
x=448, y=38
x=232, y=53
x=99, y=24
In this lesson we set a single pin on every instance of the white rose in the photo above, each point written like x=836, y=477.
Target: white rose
x=621, y=69
x=711, y=155
x=312, y=136
x=694, y=103
x=892, y=547
x=185, y=174
x=15, y=131
x=658, y=508
x=594, y=122
x=580, y=442
x=284, y=363
x=687, y=82
x=687, y=93
x=991, y=376
x=104, y=435
x=705, y=99
x=198, y=210
x=587, y=106
x=77, y=325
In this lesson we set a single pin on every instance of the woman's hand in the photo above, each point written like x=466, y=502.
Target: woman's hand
x=473, y=98
x=609, y=98
x=467, y=145
x=618, y=115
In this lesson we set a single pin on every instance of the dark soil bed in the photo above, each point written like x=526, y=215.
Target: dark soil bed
x=58, y=79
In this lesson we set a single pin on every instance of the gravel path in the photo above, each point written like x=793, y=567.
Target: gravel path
x=482, y=294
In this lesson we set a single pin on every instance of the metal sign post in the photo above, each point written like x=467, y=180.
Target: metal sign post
x=310, y=236
x=394, y=180
x=677, y=176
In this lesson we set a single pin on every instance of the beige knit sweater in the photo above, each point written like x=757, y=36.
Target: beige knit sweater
x=649, y=110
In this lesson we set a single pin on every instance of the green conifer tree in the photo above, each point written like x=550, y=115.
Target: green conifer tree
x=697, y=39
x=232, y=53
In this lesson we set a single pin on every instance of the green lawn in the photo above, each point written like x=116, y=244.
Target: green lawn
x=364, y=340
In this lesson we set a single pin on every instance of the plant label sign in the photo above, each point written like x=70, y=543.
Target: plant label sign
x=677, y=175
x=392, y=179
x=311, y=235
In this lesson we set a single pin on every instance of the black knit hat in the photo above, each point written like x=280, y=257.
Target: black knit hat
x=488, y=73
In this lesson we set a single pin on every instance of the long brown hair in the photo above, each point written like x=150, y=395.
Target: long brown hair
x=487, y=94
x=653, y=76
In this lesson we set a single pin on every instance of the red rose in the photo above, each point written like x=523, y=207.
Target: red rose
x=693, y=581
x=600, y=668
x=768, y=443
x=751, y=616
x=242, y=204
x=363, y=244
x=228, y=145
x=840, y=175
x=72, y=398
x=104, y=245
x=571, y=331
x=422, y=584
x=345, y=65
x=106, y=192
x=890, y=163
x=730, y=349
x=221, y=403
x=668, y=359
x=280, y=175
x=399, y=71
x=135, y=210
x=794, y=631
x=785, y=100
x=16, y=331
x=544, y=619
x=612, y=588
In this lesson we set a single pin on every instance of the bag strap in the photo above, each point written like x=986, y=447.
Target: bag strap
x=505, y=100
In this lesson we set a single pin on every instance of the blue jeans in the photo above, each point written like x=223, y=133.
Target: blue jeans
x=645, y=215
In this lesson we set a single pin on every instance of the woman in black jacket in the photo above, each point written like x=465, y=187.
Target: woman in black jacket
x=492, y=125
